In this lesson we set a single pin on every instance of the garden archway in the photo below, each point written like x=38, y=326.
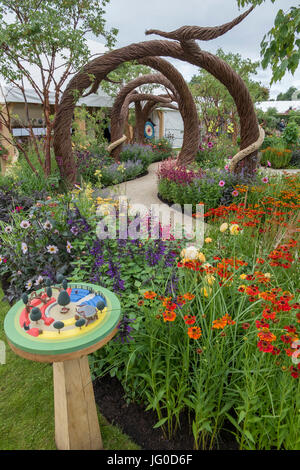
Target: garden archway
x=179, y=95
x=184, y=49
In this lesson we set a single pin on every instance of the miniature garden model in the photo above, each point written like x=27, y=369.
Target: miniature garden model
x=63, y=324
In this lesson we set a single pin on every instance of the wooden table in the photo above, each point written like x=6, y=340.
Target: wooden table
x=76, y=419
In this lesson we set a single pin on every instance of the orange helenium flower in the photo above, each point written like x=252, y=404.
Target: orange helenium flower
x=194, y=332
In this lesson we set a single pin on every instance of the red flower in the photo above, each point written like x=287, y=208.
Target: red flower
x=265, y=346
x=286, y=339
x=276, y=351
x=245, y=326
x=261, y=324
x=294, y=372
x=290, y=328
x=190, y=319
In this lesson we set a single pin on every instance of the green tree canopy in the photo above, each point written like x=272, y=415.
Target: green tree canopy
x=280, y=47
x=287, y=96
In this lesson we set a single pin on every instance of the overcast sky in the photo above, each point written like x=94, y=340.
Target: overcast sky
x=133, y=17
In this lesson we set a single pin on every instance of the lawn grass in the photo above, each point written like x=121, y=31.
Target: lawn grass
x=27, y=408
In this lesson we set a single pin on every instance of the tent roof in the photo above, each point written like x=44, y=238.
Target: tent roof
x=12, y=94
x=281, y=106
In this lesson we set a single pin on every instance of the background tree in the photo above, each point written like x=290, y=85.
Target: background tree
x=215, y=104
x=51, y=35
x=280, y=47
x=287, y=96
x=125, y=73
x=268, y=119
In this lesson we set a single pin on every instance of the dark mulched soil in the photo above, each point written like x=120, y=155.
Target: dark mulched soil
x=138, y=424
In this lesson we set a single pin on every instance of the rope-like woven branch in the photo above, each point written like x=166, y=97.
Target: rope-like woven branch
x=115, y=144
x=202, y=33
x=247, y=151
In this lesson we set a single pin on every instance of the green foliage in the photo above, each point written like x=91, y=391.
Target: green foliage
x=280, y=47
x=291, y=134
x=215, y=153
x=92, y=137
x=125, y=73
x=28, y=182
x=272, y=141
x=59, y=278
x=287, y=96
x=268, y=119
x=278, y=157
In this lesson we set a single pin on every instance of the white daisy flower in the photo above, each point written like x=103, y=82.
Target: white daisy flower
x=69, y=247
x=52, y=249
x=25, y=224
x=28, y=284
x=24, y=248
x=8, y=229
x=39, y=281
x=47, y=225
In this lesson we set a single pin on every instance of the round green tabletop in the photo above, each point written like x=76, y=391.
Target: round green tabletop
x=50, y=341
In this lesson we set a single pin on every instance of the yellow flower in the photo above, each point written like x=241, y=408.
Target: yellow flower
x=208, y=240
x=234, y=229
x=206, y=292
x=243, y=276
x=210, y=279
x=201, y=257
x=268, y=275
x=224, y=227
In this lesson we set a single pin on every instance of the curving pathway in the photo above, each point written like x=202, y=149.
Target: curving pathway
x=143, y=190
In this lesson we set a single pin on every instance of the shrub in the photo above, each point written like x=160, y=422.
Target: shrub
x=295, y=160
x=290, y=134
x=276, y=157
x=162, y=149
x=214, y=152
x=179, y=185
x=137, y=152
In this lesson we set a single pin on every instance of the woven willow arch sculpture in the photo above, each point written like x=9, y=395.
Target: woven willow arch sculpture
x=184, y=48
x=180, y=94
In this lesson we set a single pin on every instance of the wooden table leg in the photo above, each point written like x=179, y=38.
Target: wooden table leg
x=76, y=420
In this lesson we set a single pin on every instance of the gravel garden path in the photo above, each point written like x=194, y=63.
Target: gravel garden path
x=143, y=190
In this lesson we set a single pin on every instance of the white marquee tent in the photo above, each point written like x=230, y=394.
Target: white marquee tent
x=12, y=94
x=281, y=106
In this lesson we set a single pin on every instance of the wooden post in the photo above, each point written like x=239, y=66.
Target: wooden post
x=161, y=116
x=76, y=419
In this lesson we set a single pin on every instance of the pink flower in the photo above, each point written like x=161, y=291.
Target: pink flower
x=265, y=179
x=221, y=183
x=235, y=193
x=210, y=145
x=269, y=163
x=226, y=167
